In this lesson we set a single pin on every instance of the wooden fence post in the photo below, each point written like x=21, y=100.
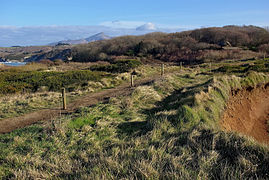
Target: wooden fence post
x=132, y=80
x=64, y=98
x=162, y=70
x=181, y=65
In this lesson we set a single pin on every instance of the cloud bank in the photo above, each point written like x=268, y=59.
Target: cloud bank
x=43, y=35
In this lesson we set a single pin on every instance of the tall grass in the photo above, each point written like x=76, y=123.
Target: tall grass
x=20, y=103
x=163, y=130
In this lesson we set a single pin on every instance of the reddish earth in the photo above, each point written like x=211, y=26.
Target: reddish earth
x=10, y=124
x=247, y=112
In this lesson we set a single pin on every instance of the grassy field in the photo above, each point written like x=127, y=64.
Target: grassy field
x=168, y=129
x=37, y=86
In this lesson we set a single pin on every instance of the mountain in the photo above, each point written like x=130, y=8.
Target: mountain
x=42, y=35
x=147, y=27
x=69, y=42
x=96, y=37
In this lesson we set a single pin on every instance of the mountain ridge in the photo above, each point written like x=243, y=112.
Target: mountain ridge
x=96, y=37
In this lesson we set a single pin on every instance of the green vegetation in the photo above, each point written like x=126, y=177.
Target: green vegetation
x=18, y=104
x=164, y=130
x=16, y=80
x=13, y=81
x=258, y=66
x=119, y=66
x=29, y=99
x=190, y=47
x=79, y=122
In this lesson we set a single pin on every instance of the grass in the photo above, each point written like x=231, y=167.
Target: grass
x=257, y=66
x=163, y=130
x=32, y=87
x=12, y=105
x=15, y=105
x=79, y=122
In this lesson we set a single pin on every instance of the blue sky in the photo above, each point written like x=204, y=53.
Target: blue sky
x=168, y=13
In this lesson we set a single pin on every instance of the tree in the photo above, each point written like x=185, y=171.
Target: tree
x=264, y=49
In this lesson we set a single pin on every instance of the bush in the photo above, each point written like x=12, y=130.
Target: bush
x=58, y=62
x=119, y=66
x=16, y=81
x=190, y=46
x=46, y=62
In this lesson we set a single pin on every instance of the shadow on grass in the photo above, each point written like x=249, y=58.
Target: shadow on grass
x=173, y=102
x=134, y=128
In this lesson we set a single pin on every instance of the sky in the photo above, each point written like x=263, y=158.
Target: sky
x=168, y=13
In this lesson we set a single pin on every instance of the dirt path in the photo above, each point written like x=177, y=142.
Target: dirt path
x=10, y=124
x=248, y=113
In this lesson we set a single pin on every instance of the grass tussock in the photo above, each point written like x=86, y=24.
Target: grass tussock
x=19, y=104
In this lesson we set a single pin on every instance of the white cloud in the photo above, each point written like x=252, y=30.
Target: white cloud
x=147, y=27
x=42, y=35
x=123, y=24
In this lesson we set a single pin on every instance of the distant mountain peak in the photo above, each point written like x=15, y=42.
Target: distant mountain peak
x=147, y=27
x=96, y=37
x=101, y=33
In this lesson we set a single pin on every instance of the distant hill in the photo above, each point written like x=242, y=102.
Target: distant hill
x=51, y=55
x=147, y=27
x=190, y=47
x=44, y=35
x=96, y=37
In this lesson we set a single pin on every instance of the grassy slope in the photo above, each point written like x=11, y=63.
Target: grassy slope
x=167, y=129
x=20, y=103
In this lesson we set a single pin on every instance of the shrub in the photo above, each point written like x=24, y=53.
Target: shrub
x=47, y=62
x=189, y=46
x=58, y=62
x=16, y=81
x=119, y=66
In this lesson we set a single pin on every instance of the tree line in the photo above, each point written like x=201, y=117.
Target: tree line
x=206, y=44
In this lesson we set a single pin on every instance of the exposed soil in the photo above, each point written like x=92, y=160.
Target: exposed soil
x=247, y=112
x=10, y=124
